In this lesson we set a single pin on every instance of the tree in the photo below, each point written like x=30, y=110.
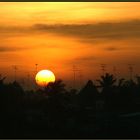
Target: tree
x=121, y=82
x=2, y=85
x=2, y=79
x=107, y=83
x=88, y=94
x=58, y=87
x=56, y=103
x=138, y=81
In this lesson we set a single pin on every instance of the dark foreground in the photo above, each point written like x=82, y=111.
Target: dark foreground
x=121, y=127
x=54, y=112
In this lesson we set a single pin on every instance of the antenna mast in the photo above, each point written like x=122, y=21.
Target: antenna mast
x=130, y=67
x=36, y=68
x=74, y=75
x=114, y=70
x=15, y=72
x=103, y=68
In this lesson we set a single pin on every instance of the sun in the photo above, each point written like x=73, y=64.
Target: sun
x=44, y=77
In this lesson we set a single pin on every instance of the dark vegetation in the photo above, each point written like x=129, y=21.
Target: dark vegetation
x=55, y=112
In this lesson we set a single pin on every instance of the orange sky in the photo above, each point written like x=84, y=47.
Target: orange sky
x=58, y=35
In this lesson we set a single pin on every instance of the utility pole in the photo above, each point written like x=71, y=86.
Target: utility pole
x=103, y=68
x=80, y=78
x=74, y=75
x=36, y=68
x=22, y=81
x=130, y=68
x=74, y=79
x=15, y=72
x=114, y=70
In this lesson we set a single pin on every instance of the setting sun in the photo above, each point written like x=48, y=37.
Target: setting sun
x=44, y=77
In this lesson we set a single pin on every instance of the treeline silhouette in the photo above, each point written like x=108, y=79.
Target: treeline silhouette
x=55, y=112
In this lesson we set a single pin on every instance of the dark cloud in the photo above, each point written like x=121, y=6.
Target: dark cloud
x=119, y=30
x=112, y=48
x=10, y=49
x=83, y=60
x=85, y=32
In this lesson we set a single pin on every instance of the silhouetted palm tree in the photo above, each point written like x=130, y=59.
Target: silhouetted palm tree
x=2, y=90
x=2, y=80
x=107, y=80
x=107, y=83
x=121, y=82
x=58, y=87
x=138, y=80
x=56, y=103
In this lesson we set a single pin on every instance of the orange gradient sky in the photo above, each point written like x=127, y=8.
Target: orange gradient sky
x=57, y=35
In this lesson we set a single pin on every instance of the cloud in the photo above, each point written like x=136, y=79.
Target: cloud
x=82, y=60
x=112, y=48
x=84, y=33
x=112, y=30
x=10, y=49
